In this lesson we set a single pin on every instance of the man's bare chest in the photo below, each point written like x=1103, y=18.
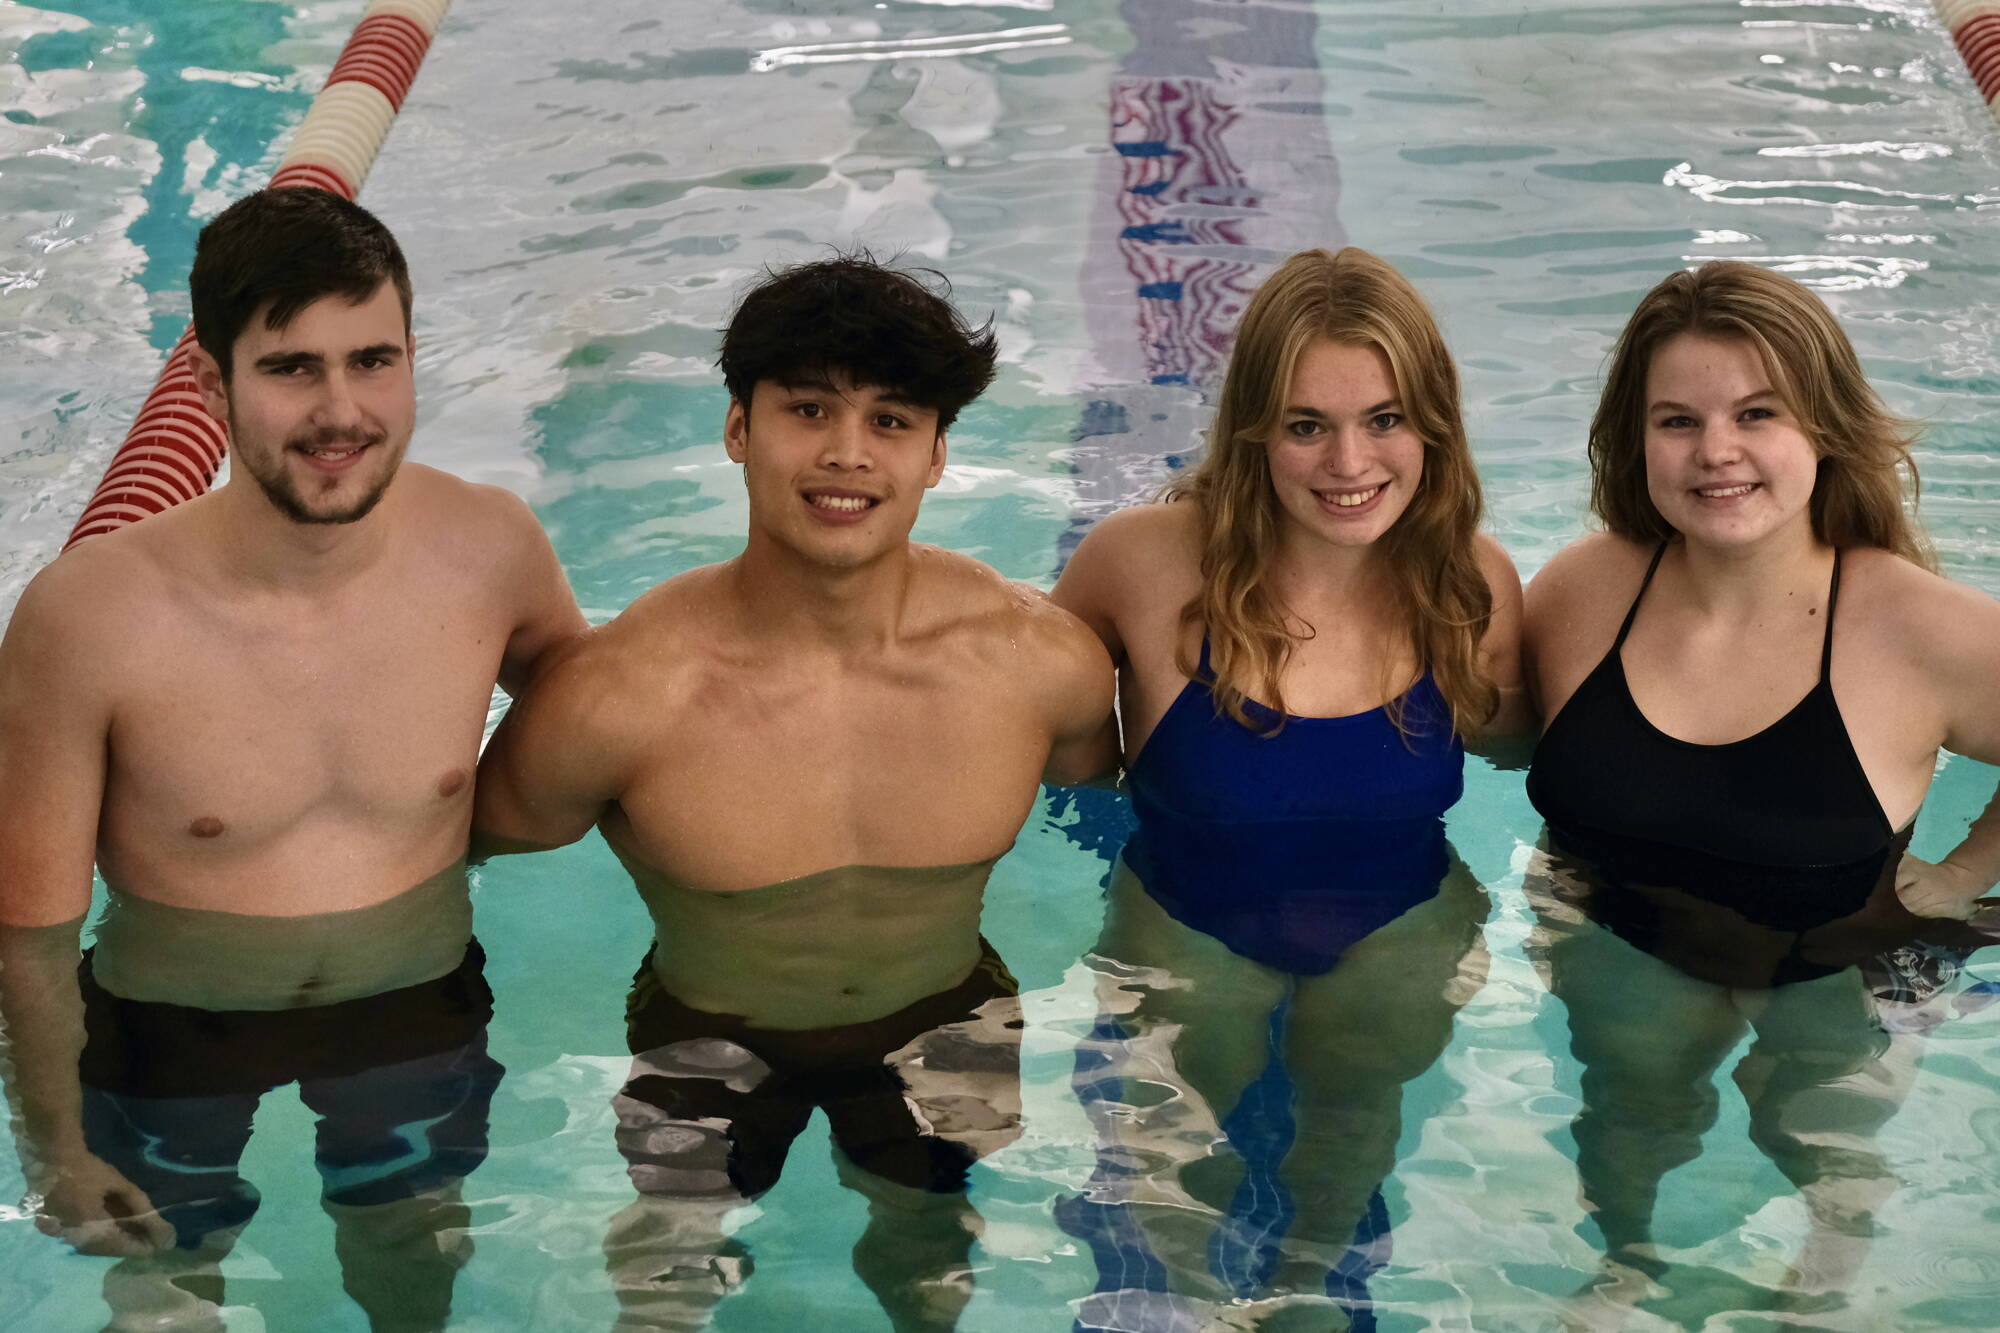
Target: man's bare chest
x=240, y=732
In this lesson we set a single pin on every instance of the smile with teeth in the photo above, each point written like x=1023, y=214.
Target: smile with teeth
x=334, y=453
x=1349, y=499
x=1725, y=492
x=846, y=504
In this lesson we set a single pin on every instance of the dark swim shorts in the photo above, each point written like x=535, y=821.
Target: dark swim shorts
x=401, y=1082
x=915, y=1097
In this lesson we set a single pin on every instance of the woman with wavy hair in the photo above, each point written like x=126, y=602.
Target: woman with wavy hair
x=1747, y=677
x=1307, y=629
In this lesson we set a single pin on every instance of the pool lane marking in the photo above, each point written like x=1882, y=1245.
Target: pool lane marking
x=175, y=448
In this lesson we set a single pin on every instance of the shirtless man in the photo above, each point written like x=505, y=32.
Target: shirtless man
x=809, y=758
x=259, y=714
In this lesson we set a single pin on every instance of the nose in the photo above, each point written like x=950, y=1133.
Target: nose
x=1346, y=452
x=338, y=407
x=845, y=444
x=1717, y=445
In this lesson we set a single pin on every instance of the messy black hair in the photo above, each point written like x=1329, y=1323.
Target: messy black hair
x=280, y=250
x=887, y=328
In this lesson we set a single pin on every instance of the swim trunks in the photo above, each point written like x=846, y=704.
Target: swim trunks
x=1729, y=860
x=713, y=1104
x=1289, y=847
x=401, y=1082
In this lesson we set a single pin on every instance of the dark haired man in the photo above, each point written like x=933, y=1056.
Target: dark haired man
x=259, y=714
x=809, y=757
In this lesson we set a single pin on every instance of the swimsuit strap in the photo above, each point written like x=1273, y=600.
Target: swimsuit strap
x=1832, y=599
x=1644, y=584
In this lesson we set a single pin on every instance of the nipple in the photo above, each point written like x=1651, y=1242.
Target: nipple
x=208, y=826
x=452, y=783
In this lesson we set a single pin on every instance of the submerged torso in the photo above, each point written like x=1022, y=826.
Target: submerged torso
x=839, y=946
x=215, y=960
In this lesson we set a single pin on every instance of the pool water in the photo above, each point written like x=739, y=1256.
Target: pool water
x=582, y=190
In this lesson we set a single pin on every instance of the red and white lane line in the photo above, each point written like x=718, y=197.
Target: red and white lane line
x=175, y=447
x=1975, y=26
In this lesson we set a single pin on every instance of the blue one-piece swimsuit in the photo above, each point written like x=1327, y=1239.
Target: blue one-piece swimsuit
x=1289, y=848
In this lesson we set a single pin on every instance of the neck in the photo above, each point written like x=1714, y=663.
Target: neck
x=1315, y=580
x=261, y=545
x=1743, y=580
x=842, y=609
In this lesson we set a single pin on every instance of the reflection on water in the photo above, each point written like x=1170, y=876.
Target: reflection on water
x=1221, y=168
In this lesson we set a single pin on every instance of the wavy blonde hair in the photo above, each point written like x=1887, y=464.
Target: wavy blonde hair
x=1866, y=491
x=1354, y=299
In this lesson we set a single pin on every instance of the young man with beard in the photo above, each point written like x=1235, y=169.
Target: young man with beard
x=809, y=758
x=259, y=714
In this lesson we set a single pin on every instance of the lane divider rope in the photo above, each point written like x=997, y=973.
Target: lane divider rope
x=175, y=447
x=1975, y=26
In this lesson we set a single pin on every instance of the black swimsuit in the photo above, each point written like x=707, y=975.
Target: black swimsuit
x=1782, y=828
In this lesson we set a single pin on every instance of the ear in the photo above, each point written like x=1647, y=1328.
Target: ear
x=209, y=383
x=936, y=473
x=736, y=431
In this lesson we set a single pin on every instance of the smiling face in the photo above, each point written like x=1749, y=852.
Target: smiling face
x=1344, y=461
x=835, y=469
x=321, y=410
x=1726, y=462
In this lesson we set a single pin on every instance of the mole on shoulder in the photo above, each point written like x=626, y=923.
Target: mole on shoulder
x=452, y=783
x=208, y=826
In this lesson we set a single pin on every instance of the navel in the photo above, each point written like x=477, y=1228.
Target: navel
x=452, y=783
x=208, y=826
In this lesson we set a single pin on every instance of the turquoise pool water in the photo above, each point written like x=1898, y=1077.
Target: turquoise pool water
x=582, y=191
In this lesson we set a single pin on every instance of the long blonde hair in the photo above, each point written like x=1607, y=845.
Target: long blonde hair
x=1354, y=299
x=1866, y=491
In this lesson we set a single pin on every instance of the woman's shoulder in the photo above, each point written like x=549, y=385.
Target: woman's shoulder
x=1597, y=570
x=1929, y=614
x=1161, y=529
x=1146, y=547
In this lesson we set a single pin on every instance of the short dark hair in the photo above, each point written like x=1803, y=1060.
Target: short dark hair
x=287, y=247
x=884, y=327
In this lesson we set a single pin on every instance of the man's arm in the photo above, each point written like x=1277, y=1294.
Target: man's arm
x=545, y=612
x=557, y=759
x=54, y=735
x=1080, y=687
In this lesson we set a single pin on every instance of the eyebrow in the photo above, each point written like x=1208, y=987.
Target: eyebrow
x=1386, y=405
x=1667, y=403
x=817, y=385
x=279, y=360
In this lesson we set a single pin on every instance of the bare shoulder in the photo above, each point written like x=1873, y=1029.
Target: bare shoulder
x=639, y=647
x=998, y=612
x=1498, y=567
x=1926, y=616
x=1594, y=576
x=1146, y=536
x=469, y=512
x=99, y=591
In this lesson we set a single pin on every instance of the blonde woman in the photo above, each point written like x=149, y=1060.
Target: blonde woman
x=1307, y=628
x=1747, y=678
